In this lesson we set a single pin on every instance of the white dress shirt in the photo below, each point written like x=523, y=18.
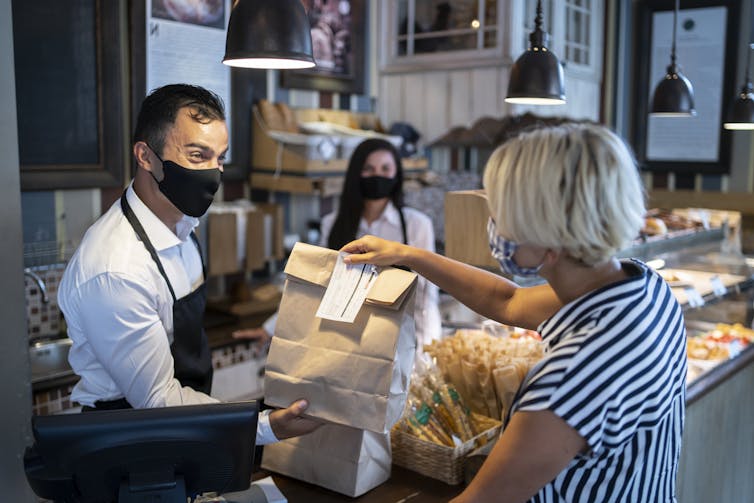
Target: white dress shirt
x=420, y=234
x=119, y=311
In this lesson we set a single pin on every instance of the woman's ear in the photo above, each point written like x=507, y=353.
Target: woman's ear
x=552, y=256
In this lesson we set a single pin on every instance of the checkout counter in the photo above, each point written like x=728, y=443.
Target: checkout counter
x=717, y=457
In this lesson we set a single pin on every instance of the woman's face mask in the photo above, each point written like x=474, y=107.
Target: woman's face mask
x=377, y=187
x=190, y=190
x=503, y=250
x=378, y=175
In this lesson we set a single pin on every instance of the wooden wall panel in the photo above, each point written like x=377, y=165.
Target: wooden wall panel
x=414, y=108
x=390, y=103
x=485, y=89
x=459, y=99
x=436, y=87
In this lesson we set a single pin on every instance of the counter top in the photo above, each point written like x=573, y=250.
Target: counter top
x=720, y=373
x=403, y=485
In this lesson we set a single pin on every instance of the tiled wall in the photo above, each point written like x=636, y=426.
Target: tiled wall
x=53, y=401
x=43, y=318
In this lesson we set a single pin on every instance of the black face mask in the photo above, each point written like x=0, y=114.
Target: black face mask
x=190, y=190
x=377, y=187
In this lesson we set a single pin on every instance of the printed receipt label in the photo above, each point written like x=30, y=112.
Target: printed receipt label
x=348, y=288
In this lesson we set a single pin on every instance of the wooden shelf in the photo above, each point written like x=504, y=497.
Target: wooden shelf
x=322, y=184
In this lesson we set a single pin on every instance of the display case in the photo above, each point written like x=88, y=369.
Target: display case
x=718, y=432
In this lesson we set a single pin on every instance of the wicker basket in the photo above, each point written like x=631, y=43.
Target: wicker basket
x=439, y=461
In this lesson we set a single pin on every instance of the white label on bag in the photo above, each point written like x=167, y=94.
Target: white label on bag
x=348, y=288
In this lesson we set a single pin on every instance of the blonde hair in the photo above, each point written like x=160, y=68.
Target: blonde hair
x=573, y=187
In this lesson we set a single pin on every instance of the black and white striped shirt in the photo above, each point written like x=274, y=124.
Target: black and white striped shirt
x=615, y=370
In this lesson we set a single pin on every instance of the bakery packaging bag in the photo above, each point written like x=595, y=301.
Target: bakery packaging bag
x=339, y=458
x=353, y=374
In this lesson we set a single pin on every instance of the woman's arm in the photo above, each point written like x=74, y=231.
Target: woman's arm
x=534, y=448
x=486, y=293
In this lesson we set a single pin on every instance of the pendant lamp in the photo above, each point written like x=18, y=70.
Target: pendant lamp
x=536, y=76
x=674, y=95
x=741, y=113
x=269, y=34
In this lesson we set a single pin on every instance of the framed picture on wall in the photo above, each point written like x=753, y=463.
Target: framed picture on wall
x=338, y=29
x=706, y=48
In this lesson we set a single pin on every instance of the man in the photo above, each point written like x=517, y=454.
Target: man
x=133, y=294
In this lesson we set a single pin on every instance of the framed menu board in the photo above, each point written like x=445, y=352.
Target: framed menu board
x=706, y=48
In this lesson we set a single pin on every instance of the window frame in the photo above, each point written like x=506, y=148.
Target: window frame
x=109, y=170
x=556, y=29
x=512, y=40
x=391, y=62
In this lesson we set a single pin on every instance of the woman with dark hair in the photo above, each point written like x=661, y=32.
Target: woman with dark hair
x=372, y=203
x=374, y=179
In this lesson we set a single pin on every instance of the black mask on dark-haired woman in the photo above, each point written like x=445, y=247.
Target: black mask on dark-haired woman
x=377, y=187
x=190, y=190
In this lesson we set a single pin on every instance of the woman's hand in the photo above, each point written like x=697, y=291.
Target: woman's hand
x=373, y=250
x=290, y=422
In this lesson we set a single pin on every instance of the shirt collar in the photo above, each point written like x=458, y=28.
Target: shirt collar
x=389, y=214
x=158, y=233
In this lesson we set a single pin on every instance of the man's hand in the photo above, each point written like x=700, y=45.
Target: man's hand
x=289, y=422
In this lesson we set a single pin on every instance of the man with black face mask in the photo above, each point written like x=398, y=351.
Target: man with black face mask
x=133, y=294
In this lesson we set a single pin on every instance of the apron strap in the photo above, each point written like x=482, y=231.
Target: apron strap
x=403, y=226
x=201, y=257
x=131, y=217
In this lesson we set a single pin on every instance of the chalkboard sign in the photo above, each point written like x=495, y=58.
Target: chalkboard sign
x=68, y=81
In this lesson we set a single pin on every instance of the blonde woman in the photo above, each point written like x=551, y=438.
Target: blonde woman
x=600, y=417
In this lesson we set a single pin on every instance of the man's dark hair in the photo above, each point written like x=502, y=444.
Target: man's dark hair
x=160, y=108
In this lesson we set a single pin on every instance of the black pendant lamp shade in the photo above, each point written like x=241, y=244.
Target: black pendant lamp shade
x=674, y=95
x=268, y=34
x=741, y=113
x=537, y=77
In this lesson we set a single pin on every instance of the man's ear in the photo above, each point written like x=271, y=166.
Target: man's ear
x=145, y=158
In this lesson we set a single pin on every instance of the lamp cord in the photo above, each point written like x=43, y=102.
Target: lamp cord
x=675, y=22
x=538, y=17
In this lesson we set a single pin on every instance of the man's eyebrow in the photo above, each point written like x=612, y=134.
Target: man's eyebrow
x=198, y=145
x=206, y=148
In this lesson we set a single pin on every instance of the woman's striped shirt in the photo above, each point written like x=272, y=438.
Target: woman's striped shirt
x=615, y=370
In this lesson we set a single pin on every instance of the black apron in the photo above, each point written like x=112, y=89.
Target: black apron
x=192, y=361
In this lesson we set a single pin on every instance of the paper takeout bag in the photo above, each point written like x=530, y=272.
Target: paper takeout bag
x=339, y=458
x=353, y=374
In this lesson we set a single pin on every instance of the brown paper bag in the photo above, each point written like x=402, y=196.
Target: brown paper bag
x=339, y=458
x=353, y=374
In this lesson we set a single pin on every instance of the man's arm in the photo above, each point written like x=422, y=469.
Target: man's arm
x=122, y=325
